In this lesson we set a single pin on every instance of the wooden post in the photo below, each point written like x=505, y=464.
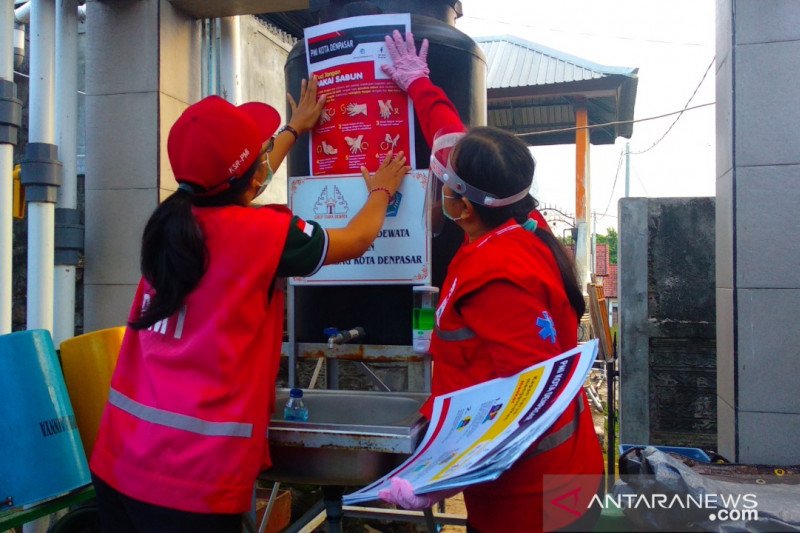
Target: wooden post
x=582, y=194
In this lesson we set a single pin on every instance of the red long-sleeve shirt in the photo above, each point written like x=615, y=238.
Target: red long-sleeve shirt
x=498, y=287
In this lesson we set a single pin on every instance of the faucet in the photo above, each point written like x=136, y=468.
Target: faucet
x=336, y=337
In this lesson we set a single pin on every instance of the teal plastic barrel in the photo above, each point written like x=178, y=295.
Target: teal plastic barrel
x=42, y=455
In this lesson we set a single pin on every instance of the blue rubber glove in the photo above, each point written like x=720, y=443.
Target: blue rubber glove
x=407, y=65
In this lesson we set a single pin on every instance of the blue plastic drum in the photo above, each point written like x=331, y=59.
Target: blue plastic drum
x=42, y=456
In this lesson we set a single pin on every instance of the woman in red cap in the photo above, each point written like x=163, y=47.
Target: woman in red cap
x=510, y=300
x=184, y=434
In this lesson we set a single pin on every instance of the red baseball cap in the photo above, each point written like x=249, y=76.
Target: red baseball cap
x=213, y=140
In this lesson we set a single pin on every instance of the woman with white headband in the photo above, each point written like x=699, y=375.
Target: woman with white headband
x=510, y=299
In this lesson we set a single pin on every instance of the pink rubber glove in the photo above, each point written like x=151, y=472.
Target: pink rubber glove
x=408, y=66
x=401, y=493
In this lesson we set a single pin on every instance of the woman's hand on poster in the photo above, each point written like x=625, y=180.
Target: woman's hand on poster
x=407, y=65
x=389, y=174
x=306, y=111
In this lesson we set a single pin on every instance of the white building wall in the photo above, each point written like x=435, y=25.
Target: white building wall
x=758, y=259
x=143, y=68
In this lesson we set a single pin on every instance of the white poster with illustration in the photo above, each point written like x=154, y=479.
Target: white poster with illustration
x=477, y=433
x=402, y=252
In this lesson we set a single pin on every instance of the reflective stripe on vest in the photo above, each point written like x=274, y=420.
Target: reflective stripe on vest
x=559, y=437
x=455, y=335
x=178, y=421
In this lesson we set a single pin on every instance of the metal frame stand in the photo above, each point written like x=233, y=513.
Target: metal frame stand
x=611, y=375
x=16, y=518
x=332, y=498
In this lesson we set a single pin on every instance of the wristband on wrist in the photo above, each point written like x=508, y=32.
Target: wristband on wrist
x=290, y=130
x=384, y=189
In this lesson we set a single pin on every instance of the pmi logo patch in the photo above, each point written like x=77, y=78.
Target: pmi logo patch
x=394, y=205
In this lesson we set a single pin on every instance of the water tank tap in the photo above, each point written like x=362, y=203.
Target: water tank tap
x=336, y=337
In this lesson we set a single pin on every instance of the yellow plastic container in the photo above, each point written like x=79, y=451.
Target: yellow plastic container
x=88, y=361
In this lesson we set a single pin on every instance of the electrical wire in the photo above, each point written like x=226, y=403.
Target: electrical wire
x=592, y=126
x=641, y=182
x=614, y=185
x=18, y=73
x=680, y=114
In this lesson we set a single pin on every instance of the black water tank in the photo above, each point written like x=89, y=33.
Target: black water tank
x=458, y=66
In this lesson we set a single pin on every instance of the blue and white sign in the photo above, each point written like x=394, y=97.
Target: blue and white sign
x=402, y=252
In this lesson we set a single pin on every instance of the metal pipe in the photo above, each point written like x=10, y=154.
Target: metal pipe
x=22, y=14
x=42, y=72
x=332, y=373
x=19, y=47
x=230, y=68
x=377, y=381
x=41, y=214
x=6, y=235
x=291, y=347
x=204, y=59
x=273, y=495
x=41, y=254
x=611, y=431
x=6, y=168
x=66, y=137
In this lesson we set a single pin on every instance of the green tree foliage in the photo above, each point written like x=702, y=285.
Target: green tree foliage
x=610, y=238
x=567, y=241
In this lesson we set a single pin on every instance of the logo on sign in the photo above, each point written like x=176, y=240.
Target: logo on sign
x=330, y=204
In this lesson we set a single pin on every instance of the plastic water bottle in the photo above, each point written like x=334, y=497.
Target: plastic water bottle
x=295, y=409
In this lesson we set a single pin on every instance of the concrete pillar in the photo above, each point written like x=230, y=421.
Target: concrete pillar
x=758, y=259
x=142, y=71
x=667, y=328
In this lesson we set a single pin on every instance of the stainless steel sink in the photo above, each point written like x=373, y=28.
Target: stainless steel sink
x=351, y=437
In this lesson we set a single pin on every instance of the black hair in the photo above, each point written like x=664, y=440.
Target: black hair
x=174, y=256
x=498, y=162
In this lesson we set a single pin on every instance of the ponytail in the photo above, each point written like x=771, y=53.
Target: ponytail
x=499, y=162
x=567, y=267
x=520, y=212
x=173, y=257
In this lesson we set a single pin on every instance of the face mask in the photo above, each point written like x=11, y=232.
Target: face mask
x=444, y=210
x=266, y=181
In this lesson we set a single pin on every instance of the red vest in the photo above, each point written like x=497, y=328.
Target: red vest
x=191, y=396
x=462, y=358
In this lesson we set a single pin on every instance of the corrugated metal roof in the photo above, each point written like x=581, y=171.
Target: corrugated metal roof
x=515, y=62
x=533, y=91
